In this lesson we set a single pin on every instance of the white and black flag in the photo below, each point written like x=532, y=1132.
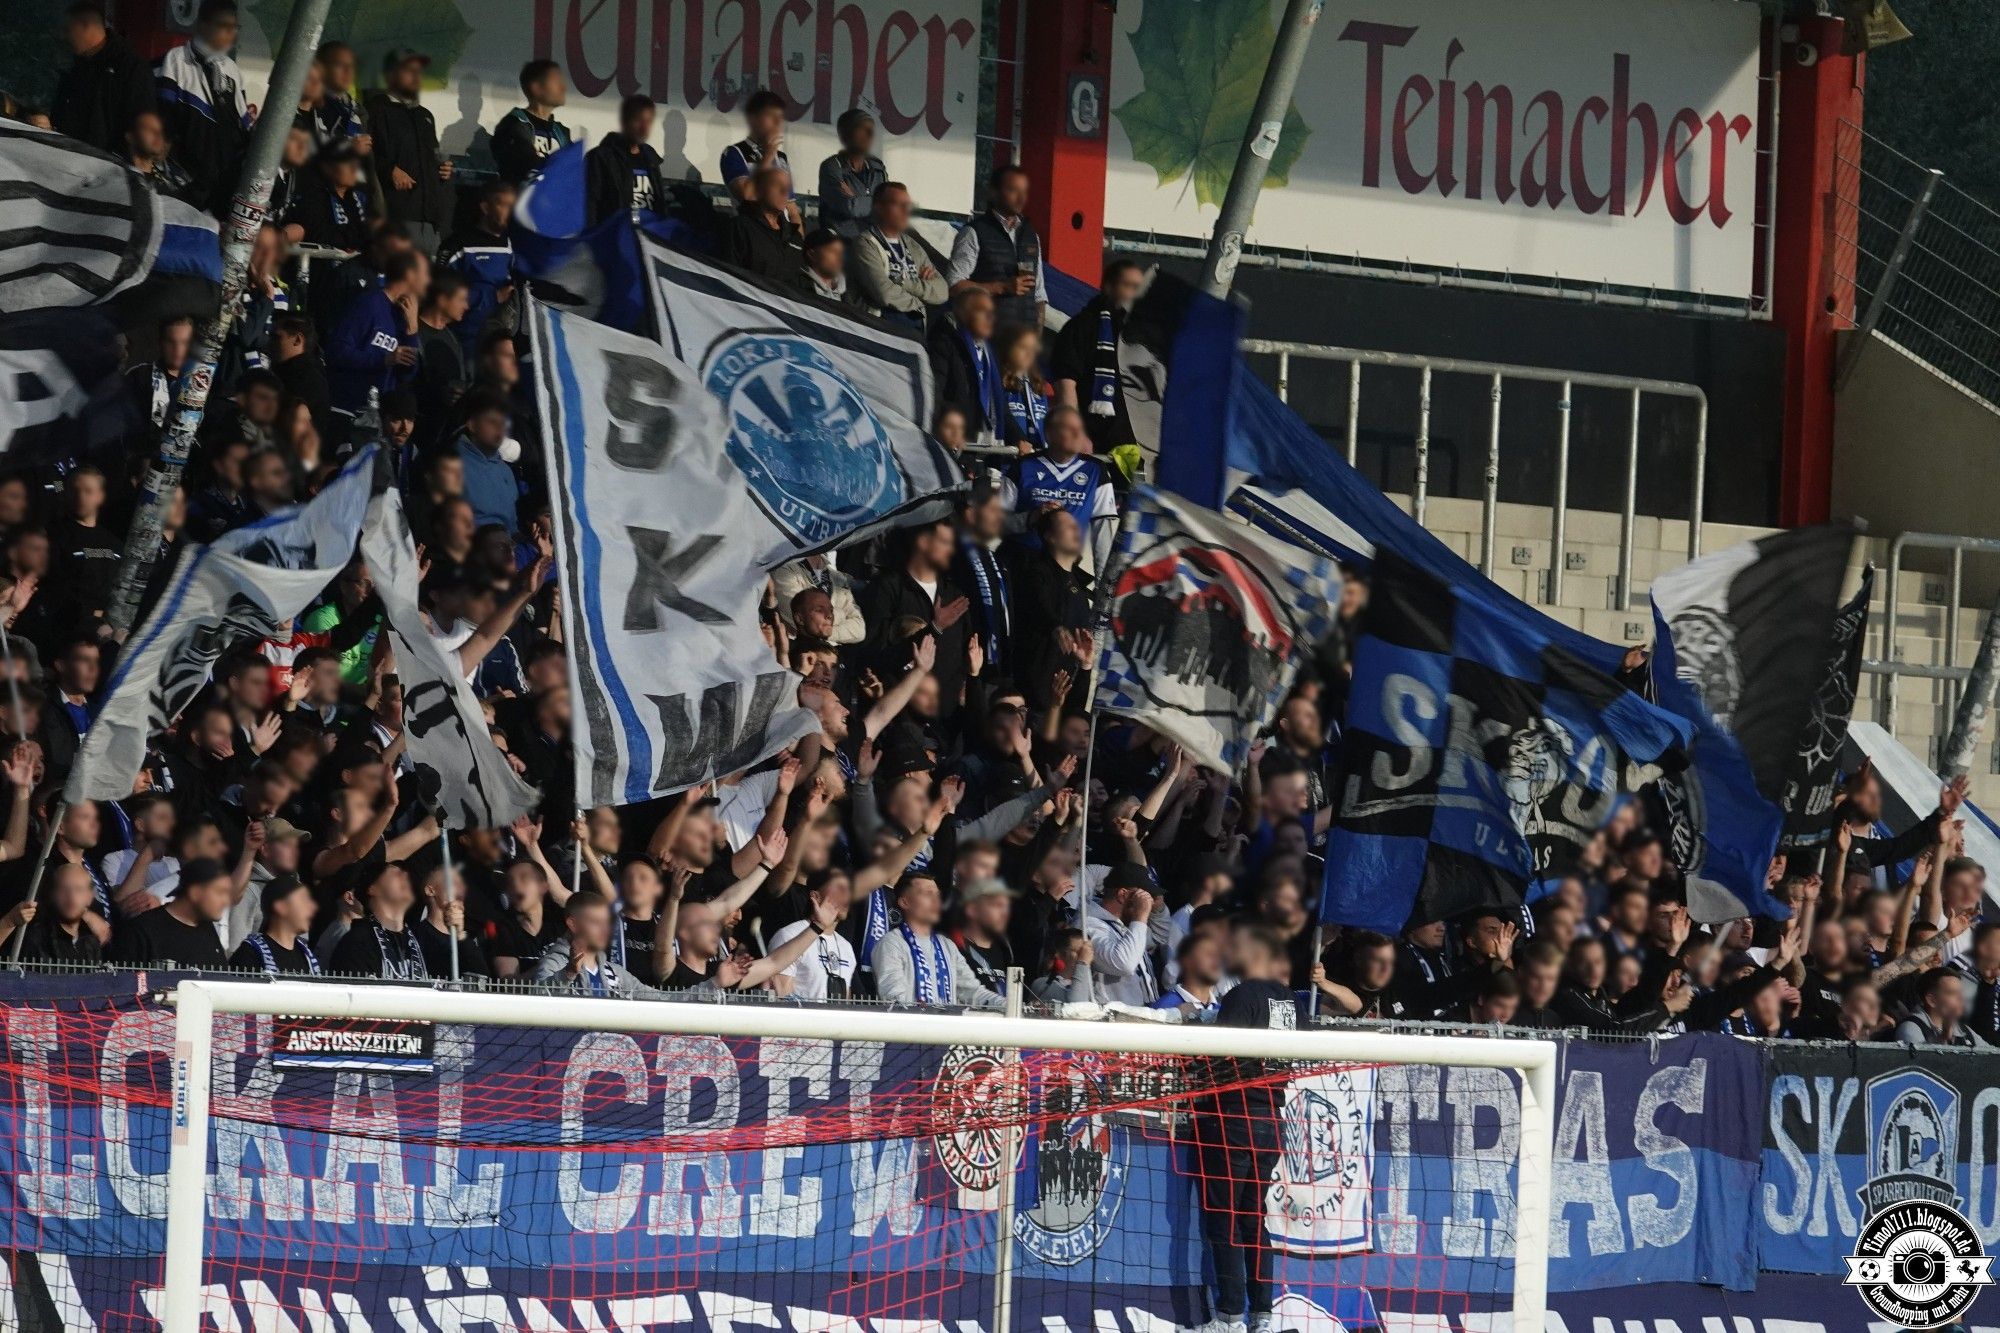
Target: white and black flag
x=246, y=585
x=826, y=416
x=60, y=391
x=1739, y=646
x=660, y=548
x=445, y=734
x=1747, y=628
x=1809, y=790
x=80, y=226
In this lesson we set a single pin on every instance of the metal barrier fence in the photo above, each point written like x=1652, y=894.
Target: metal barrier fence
x=1498, y=1031
x=1887, y=664
x=1920, y=261
x=1498, y=374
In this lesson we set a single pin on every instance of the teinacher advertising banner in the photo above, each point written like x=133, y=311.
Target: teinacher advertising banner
x=578, y=1181
x=913, y=63
x=1595, y=141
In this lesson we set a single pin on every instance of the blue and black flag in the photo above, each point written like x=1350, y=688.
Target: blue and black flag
x=1479, y=756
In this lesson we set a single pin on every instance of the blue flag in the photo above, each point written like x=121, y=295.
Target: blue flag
x=1227, y=440
x=1479, y=756
x=598, y=271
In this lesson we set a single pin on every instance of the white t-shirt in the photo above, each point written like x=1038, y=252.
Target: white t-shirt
x=162, y=877
x=832, y=956
x=741, y=807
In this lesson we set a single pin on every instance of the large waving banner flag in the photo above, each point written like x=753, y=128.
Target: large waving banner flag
x=246, y=584
x=1207, y=623
x=1740, y=645
x=826, y=415
x=1478, y=756
x=1228, y=441
x=658, y=541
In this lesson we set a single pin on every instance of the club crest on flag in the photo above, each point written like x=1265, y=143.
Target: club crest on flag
x=817, y=458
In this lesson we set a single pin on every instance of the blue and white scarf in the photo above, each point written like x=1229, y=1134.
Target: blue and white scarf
x=989, y=582
x=876, y=926
x=1104, y=373
x=262, y=944
x=992, y=397
x=933, y=974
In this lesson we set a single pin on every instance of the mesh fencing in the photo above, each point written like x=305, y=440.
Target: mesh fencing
x=413, y=1176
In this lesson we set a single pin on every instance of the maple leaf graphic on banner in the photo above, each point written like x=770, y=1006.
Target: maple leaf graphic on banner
x=376, y=27
x=1203, y=62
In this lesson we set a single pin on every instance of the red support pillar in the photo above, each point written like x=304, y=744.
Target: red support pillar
x=1808, y=300
x=1067, y=64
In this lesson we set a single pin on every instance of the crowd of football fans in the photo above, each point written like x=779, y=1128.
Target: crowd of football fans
x=939, y=829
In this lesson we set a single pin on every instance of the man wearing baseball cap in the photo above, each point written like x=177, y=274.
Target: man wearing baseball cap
x=279, y=944
x=984, y=908
x=415, y=177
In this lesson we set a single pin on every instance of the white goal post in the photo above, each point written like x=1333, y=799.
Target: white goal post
x=197, y=1004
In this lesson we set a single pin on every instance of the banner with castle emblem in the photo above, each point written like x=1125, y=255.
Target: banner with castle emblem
x=1205, y=623
x=825, y=414
x=1479, y=756
x=1852, y=1130
x=1740, y=642
x=657, y=543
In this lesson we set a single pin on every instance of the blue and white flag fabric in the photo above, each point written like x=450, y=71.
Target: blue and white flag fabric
x=61, y=396
x=1478, y=756
x=1740, y=644
x=244, y=586
x=826, y=415
x=445, y=734
x=81, y=226
x=1205, y=624
x=658, y=542
x=1228, y=441
x=599, y=271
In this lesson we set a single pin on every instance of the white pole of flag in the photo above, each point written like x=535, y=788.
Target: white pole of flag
x=263, y=158
x=450, y=892
x=35, y=879
x=13, y=682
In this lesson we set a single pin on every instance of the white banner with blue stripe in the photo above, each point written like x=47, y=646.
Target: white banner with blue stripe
x=245, y=586
x=673, y=682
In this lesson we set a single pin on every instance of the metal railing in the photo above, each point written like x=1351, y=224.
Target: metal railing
x=1497, y=374
x=1887, y=664
x=1919, y=260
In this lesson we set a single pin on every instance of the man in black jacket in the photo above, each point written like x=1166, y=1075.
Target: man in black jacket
x=529, y=135
x=97, y=97
x=964, y=366
x=762, y=237
x=415, y=176
x=622, y=173
x=1052, y=598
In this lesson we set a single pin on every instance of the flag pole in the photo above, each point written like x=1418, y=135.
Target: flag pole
x=13, y=682
x=450, y=892
x=262, y=159
x=1259, y=146
x=1083, y=829
x=56, y=813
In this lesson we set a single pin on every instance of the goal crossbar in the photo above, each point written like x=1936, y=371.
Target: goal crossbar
x=198, y=1003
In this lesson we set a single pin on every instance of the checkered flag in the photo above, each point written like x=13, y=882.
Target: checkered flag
x=1203, y=625
x=1478, y=756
